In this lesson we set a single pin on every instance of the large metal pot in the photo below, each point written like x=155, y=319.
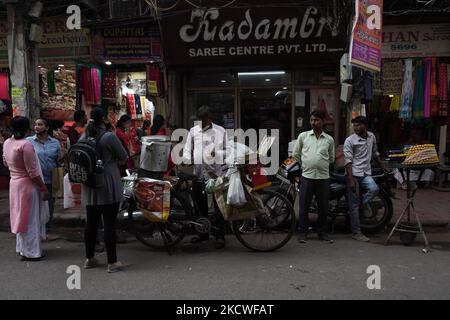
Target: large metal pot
x=155, y=153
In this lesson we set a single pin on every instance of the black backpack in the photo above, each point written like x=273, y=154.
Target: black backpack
x=86, y=163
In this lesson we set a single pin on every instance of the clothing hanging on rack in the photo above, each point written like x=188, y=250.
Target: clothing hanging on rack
x=427, y=88
x=407, y=91
x=443, y=90
x=418, y=91
x=434, y=88
x=4, y=86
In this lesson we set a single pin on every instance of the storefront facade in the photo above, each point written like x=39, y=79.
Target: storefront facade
x=257, y=68
x=410, y=104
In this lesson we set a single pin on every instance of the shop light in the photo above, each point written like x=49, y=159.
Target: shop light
x=223, y=81
x=391, y=96
x=268, y=80
x=108, y=63
x=262, y=73
x=57, y=71
x=61, y=65
x=285, y=88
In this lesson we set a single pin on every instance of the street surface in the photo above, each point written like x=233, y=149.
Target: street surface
x=313, y=271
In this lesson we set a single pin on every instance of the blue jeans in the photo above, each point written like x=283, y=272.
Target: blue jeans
x=369, y=185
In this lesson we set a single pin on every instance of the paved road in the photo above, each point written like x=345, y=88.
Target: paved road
x=312, y=271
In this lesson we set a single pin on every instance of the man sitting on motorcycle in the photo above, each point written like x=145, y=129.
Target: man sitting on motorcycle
x=359, y=150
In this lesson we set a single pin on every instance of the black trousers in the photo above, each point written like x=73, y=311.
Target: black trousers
x=308, y=189
x=201, y=199
x=94, y=216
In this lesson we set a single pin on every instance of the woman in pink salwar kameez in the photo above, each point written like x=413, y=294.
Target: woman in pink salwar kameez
x=27, y=194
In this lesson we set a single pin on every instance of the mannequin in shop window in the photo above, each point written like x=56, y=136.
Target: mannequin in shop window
x=127, y=136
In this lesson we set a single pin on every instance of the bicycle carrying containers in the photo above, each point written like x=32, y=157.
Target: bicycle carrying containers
x=155, y=153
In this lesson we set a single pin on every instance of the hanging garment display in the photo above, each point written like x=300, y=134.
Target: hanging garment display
x=391, y=76
x=137, y=101
x=131, y=106
x=418, y=91
x=395, y=104
x=407, y=91
x=51, y=87
x=90, y=85
x=109, y=84
x=4, y=86
x=368, y=87
x=434, y=104
x=96, y=85
x=443, y=90
x=427, y=88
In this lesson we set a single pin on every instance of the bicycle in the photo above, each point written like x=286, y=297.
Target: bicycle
x=262, y=232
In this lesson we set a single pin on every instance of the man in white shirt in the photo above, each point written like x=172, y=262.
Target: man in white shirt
x=204, y=148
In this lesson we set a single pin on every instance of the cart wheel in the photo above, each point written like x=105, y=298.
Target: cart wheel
x=265, y=233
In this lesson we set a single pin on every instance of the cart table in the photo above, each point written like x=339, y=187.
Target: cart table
x=410, y=199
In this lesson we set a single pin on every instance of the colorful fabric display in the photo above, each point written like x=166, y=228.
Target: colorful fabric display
x=51, y=86
x=418, y=91
x=4, y=86
x=434, y=88
x=109, y=84
x=427, y=88
x=443, y=90
x=407, y=91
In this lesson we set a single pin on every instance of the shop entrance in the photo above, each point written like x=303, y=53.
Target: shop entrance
x=268, y=109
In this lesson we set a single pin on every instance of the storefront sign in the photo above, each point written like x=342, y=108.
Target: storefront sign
x=59, y=44
x=126, y=44
x=3, y=45
x=409, y=41
x=252, y=34
x=365, y=47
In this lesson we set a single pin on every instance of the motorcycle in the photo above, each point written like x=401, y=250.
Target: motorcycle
x=374, y=217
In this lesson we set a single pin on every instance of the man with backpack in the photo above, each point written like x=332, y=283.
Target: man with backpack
x=94, y=162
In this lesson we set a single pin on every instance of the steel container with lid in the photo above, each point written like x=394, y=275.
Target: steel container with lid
x=155, y=153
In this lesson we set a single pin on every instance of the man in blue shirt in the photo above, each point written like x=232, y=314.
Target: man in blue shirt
x=48, y=151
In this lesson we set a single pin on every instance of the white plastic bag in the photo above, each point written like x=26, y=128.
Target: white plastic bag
x=236, y=194
x=72, y=193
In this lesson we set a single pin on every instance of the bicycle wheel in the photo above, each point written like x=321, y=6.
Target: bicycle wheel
x=158, y=235
x=266, y=232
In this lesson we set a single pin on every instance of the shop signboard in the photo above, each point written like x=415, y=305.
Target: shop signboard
x=61, y=45
x=3, y=44
x=126, y=44
x=422, y=40
x=254, y=33
x=366, y=40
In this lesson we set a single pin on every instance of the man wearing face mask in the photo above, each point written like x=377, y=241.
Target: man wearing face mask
x=48, y=151
x=202, y=142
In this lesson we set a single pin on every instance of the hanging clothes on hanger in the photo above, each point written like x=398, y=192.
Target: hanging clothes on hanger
x=427, y=88
x=443, y=90
x=434, y=88
x=4, y=86
x=407, y=91
x=418, y=91
x=137, y=101
x=131, y=105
